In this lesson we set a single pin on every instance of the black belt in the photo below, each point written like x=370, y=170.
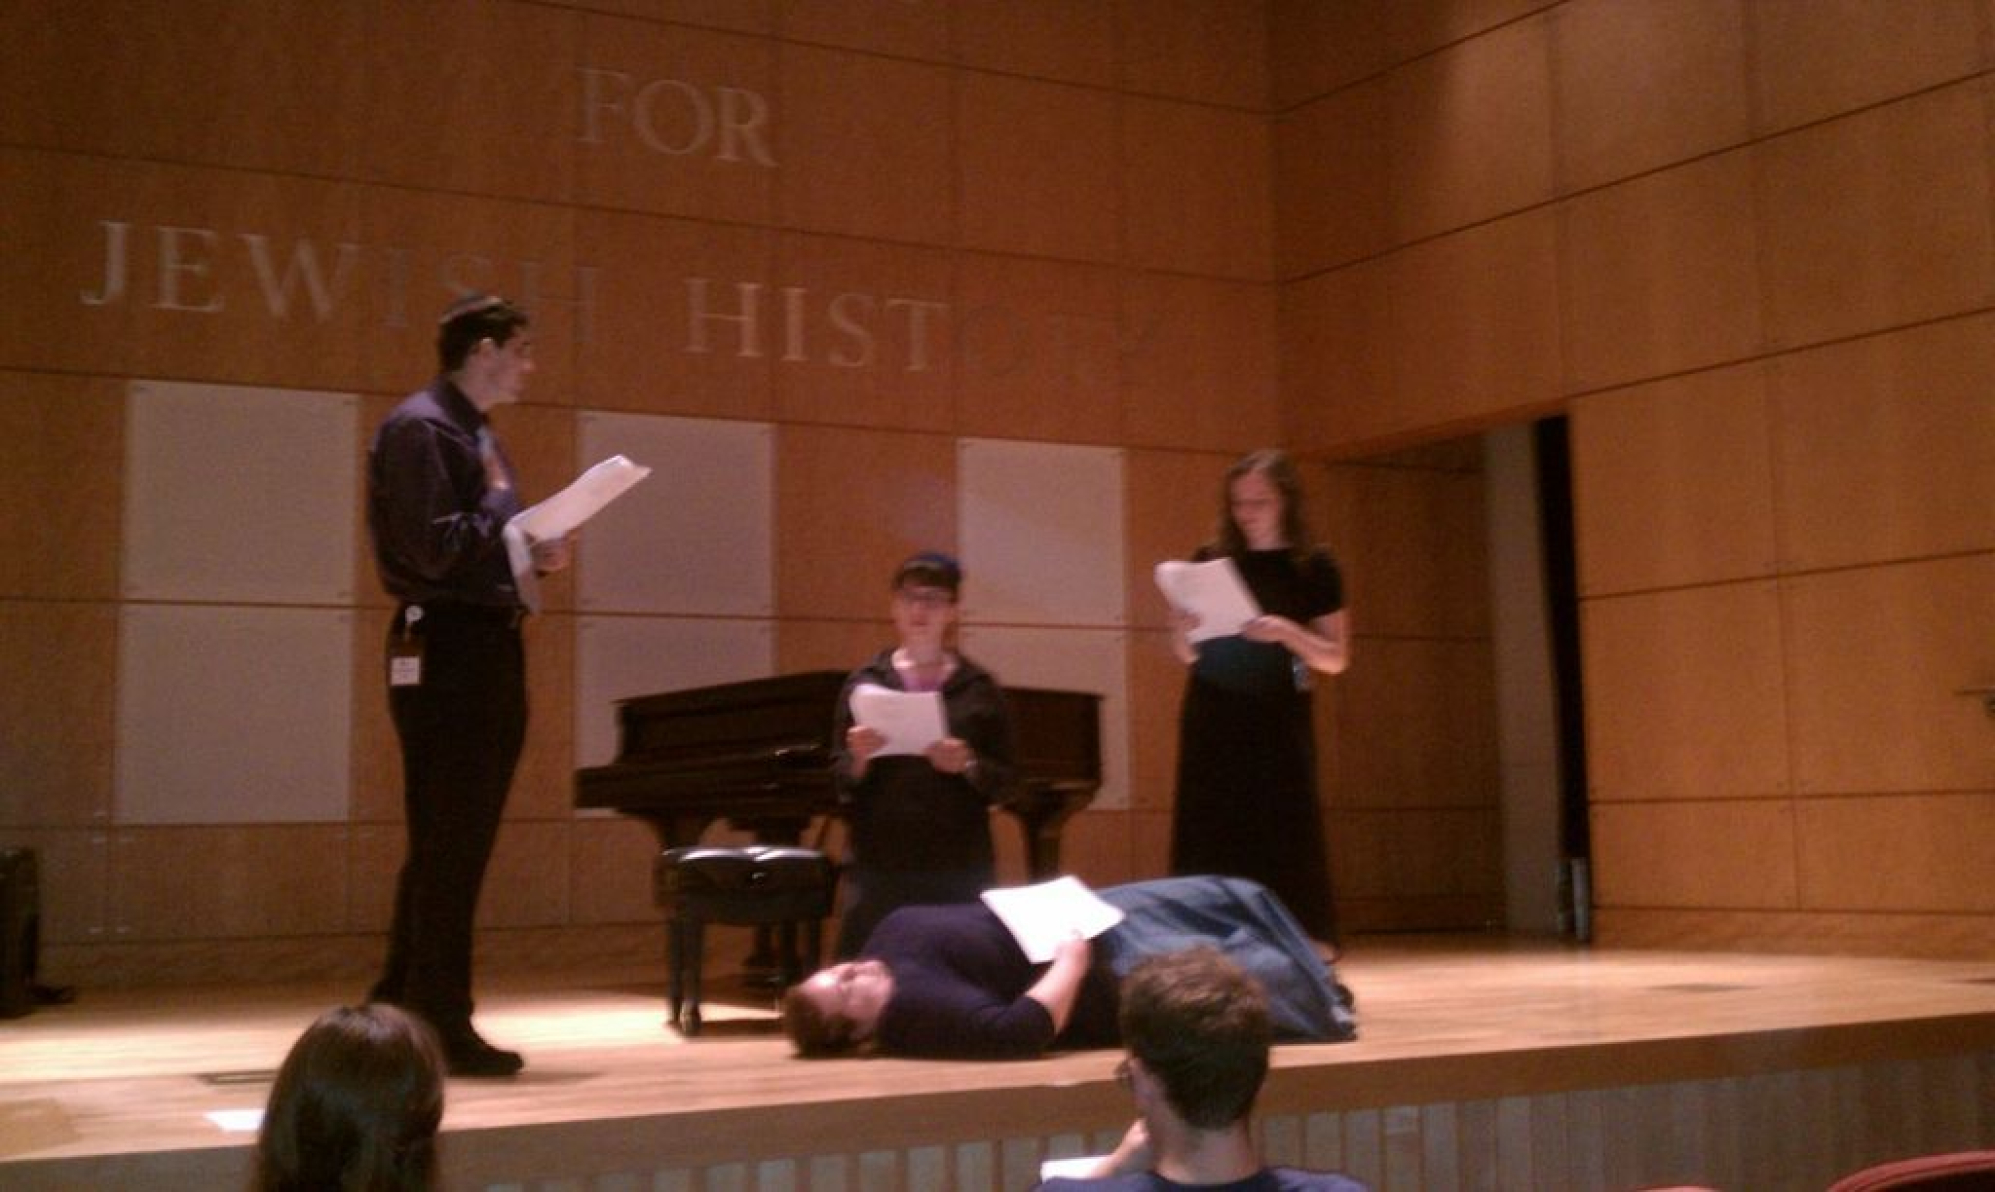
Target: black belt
x=441, y=610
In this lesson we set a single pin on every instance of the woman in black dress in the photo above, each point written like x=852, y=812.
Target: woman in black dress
x=1246, y=797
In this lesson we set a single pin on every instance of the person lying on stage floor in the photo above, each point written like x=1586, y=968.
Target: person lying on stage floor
x=1197, y=1030
x=952, y=982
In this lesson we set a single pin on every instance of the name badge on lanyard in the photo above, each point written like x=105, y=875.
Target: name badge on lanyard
x=405, y=652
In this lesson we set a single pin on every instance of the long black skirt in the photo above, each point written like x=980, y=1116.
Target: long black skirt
x=1246, y=798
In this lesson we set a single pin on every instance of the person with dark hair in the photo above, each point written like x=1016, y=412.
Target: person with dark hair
x=951, y=981
x=355, y=1107
x=440, y=495
x=1246, y=784
x=1197, y=1028
x=920, y=823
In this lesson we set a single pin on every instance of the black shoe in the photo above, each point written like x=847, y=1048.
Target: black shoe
x=465, y=1054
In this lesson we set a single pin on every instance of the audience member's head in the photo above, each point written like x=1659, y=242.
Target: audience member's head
x=355, y=1107
x=835, y=1010
x=1199, y=1025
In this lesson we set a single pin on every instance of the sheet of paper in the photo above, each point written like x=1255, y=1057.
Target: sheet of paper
x=1213, y=590
x=1080, y=1167
x=237, y=1121
x=910, y=720
x=1040, y=916
x=559, y=514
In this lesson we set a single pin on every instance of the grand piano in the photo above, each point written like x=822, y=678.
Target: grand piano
x=758, y=754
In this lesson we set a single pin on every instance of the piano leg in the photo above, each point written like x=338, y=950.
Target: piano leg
x=675, y=966
x=692, y=943
x=787, y=962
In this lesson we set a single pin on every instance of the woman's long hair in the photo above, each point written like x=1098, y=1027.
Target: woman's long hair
x=355, y=1106
x=1275, y=466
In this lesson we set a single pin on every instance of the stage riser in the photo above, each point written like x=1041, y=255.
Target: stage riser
x=1784, y=1130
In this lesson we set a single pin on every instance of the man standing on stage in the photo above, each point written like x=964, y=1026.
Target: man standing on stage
x=440, y=493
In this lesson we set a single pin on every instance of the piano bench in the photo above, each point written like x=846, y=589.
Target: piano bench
x=753, y=886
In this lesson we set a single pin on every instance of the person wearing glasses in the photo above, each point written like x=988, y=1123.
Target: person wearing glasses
x=1197, y=1029
x=952, y=982
x=920, y=823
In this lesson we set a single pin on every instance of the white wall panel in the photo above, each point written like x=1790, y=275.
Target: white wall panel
x=618, y=657
x=233, y=715
x=1041, y=532
x=1095, y=660
x=694, y=537
x=240, y=495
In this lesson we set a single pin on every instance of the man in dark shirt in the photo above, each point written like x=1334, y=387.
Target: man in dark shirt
x=1198, y=1028
x=440, y=493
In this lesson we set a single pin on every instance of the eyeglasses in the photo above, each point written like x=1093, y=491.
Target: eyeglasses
x=926, y=597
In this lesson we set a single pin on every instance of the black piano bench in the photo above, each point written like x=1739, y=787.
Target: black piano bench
x=753, y=886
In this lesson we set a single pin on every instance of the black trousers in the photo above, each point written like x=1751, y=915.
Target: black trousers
x=461, y=731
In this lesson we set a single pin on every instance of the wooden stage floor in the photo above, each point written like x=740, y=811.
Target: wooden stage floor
x=118, y=1089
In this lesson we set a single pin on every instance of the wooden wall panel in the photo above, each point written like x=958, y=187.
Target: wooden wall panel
x=1471, y=131
x=690, y=323
x=1875, y=658
x=1475, y=323
x=1039, y=345
x=675, y=122
x=1658, y=275
x=1411, y=555
x=1685, y=694
x=1047, y=39
x=609, y=871
x=57, y=714
x=499, y=122
x=882, y=26
x=262, y=880
x=1197, y=190
x=527, y=882
x=544, y=784
x=1908, y=236
x=1332, y=208
x=1036, y=168
x=865, y=145
x=1198, y=364
x=1645, y=85
x=1912, y=853
x=424, y=249
x=1416, y=725
x=1819, y=58
x=61, y=463
x=1209, y=51
x=1887, y=446
x=1156, y=696
x=1720, y=855
x=1337, y=360
x=1422, y=28
x=1319, y=48
x=850, y=505
x=73, y=875
x=1171, y=502
x=155, y=81
x=1673, y=483
x=806, y=645
x=743, y=16
x=862, y=333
